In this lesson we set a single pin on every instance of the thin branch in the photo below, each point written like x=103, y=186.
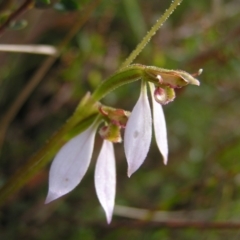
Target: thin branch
x=23, y=8
x=173, y=224
x=30, y=48
x=199, y=219
x=163, y=216
x=151, y=33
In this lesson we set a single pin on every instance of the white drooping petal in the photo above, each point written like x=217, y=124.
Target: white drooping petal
x=160, y=128
x=138, y=133
x=105, y=178
x=70, y=164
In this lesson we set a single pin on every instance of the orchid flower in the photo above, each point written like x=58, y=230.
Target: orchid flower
x=71, y=163
x=138, y=133
x=73, y=159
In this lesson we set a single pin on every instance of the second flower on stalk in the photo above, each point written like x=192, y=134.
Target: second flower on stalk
x=138, y=132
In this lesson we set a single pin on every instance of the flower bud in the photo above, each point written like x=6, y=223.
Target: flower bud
x=111, y=133
x=164, y=95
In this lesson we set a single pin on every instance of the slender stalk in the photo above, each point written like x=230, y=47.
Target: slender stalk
x=151, y=33
x=29, y=48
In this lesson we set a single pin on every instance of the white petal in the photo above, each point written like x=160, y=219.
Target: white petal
x=70, y=164
x=160, y=128
x=138, y=133
x=105, y=178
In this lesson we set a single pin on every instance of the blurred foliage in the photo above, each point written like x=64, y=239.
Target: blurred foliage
x=203, y=122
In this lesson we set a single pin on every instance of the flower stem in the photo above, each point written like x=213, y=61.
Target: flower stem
x=151, y=33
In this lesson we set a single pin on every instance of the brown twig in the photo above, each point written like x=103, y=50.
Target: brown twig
x=23, y=8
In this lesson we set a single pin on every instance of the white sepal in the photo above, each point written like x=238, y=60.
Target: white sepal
x=138, y=133
x=105, y=178
x=70, y=164
x=160, y=128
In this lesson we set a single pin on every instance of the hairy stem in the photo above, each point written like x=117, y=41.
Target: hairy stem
x=151, y=33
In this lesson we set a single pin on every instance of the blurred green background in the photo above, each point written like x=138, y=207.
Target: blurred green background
x=202, y=179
